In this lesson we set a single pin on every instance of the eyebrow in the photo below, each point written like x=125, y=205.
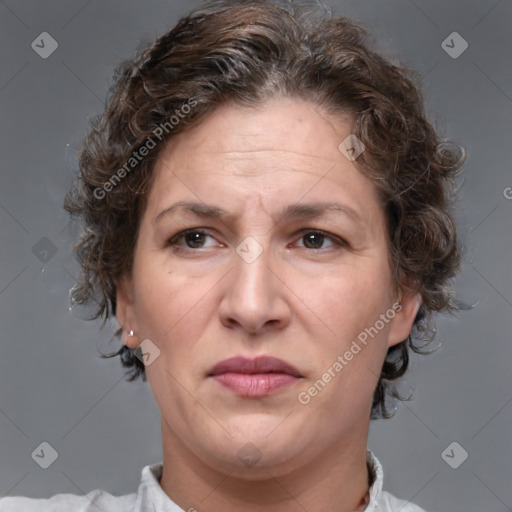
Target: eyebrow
x=291, y=212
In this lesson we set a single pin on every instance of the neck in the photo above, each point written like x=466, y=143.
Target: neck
x=337, y=480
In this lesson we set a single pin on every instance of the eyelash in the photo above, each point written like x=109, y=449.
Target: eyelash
x=173, y=241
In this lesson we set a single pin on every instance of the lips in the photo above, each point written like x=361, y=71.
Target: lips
x=259, y=365
x=257, y=377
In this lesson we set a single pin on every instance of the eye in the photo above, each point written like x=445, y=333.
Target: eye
x=193, y=238
x=314, y=239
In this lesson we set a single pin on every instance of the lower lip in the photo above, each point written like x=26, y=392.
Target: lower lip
x=255, y=385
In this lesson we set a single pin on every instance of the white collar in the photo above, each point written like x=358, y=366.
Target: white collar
x=150, y=493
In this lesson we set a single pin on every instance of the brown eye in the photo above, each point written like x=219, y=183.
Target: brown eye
x=314, y=239
x=192, y=238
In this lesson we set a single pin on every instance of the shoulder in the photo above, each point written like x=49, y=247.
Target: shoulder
x=90, y=502
x=388, y=503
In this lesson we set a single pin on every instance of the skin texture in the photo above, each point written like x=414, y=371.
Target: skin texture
x=304, y=299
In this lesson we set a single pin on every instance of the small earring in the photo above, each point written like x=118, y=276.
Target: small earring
x=131, y=333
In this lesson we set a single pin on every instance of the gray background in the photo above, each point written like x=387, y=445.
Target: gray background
x=53, y=386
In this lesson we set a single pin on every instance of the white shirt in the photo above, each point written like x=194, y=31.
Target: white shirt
x=150, y=497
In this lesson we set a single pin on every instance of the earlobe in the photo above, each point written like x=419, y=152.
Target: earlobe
x=402, y=323
x=125, y=312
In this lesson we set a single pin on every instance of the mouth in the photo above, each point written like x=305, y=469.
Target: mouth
x=257, y=377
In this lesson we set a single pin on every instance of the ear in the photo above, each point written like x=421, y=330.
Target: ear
x=405, y=309
x=125, y=311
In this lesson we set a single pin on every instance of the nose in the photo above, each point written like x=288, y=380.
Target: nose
x=255, y=300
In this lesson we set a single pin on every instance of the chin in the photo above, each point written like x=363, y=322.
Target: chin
x=255, y=448
x=265, y=431
x=254, y=462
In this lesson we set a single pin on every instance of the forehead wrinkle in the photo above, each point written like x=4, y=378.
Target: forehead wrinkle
x=317, y=168
x=265, y=150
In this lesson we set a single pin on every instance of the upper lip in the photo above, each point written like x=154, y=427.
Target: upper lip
x=261, y=364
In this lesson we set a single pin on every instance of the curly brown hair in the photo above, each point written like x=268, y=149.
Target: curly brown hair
x=247, y=52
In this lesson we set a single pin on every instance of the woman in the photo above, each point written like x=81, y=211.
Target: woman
x=266, y=214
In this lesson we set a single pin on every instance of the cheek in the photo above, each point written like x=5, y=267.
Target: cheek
x=167, y=301
x=352, y=302
x=351, y=309
x=173, y=310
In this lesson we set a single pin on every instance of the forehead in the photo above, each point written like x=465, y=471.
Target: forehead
x=285, y=151
x=282, y=124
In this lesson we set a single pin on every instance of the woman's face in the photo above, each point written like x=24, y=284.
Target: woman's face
x=248, y=281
